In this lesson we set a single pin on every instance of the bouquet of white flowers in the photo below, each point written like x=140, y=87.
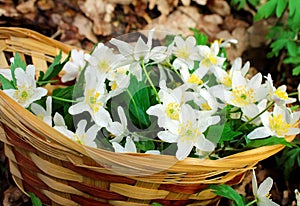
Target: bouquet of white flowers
x=180, y=98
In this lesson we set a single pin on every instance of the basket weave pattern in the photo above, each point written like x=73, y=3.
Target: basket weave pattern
x=62, y=172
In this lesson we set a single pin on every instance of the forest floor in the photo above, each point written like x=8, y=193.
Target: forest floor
x=84, y=22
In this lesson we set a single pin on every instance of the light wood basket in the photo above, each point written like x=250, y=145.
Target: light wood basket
x=62, y=172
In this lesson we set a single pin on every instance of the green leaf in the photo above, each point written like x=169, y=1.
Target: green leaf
x=201, y=38
x=145, y=145
x=296, y=70
x=292, y=60
x=266, y=10
x=267, y=142
x=228, y=133
x=294, y=15
x=292, y=48
x=141, y=96
x=155, y=204
x=35, y=200
x=281, y=6
x=6, y=84
x=227, y=192
x=18, y=63
x=254, y=2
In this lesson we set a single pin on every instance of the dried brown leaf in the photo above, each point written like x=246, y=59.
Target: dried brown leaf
x=46, y=4
x=27, y=7
x=85, y=27
x=220, y=7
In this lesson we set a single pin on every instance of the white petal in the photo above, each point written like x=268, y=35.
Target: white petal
x=102, y=117
x=265, y=187
x=167, y=136
x=130, y=146
x=254, y=184
x=260, y=132
x=59, y=120
x=81, y=127
x=78, y=108
x=117, y=147
x=37, y=109
x=184, y=149
x=124, y=48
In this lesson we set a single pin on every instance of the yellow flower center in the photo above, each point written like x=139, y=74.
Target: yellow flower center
x=194, y=79
x=278, y=125
x=209, y=59
x=183, y=52
x=243, y=96
x=104, y=66
x=281, y=94
x=205, y=106
x=78, y=139
x=114, y=85
x=227, y=81
x=91, y=99
x=173, y=110
x=187, y=132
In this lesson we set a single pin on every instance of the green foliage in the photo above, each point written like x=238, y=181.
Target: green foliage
x=229, y=193
x=17, y=63
x=241, y=3
x=268, y=142
x=289, y=158
x=5, y=83
x=35, y=200
x=284, y=34
x=201, y=39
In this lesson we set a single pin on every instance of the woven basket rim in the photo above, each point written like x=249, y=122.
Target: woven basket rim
x=135, y=161
x=27, y=116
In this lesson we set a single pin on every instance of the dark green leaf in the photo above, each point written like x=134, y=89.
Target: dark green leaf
x=227, y=192
x=296, y=70
x=201, y=38
x=267, y=142
x=35, y=200
x=281, y=6
x=292, y=48
x=228, y=133
x=292, y=60
x=6, y=84
x=266, y=10
x=145, y=145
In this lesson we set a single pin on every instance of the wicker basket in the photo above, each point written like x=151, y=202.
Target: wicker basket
x=62, y=172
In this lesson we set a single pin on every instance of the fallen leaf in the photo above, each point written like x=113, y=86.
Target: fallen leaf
x=85, y=27
x=45, y=4
x=27, y=7
x=230, y=23
x=220, y=7
x=257, y=33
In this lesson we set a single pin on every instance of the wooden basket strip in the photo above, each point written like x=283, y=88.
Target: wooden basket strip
x=54, y=184
x=55, y=170
x=58, y=199
x=122, y=203
x=138, y=192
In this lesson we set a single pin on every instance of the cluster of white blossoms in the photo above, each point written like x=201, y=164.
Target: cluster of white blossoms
x=184, y=112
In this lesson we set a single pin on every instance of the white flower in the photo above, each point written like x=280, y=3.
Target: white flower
x=118, y=80
x=81, y=136
x=141, y=52
x=262, y=193
x=186, y=51
x=209, y=55
x=225, y=77
x=168, y=112
x=245, y=93
x=188, y=132
x=73, y=67
x=279, y=95
x=43, y=114
x=193, y=80
x=129, y=146
x=277, y=123
x=6, y=73
x=26, y=91
x=119, y=129
x=297, y=194
x=103, y=60
x=94, y=100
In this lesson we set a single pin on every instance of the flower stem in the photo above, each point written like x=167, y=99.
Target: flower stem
x=256, y=116
x=64, y=100
x=150, y=82
x=251, y=203
x=293, y=94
